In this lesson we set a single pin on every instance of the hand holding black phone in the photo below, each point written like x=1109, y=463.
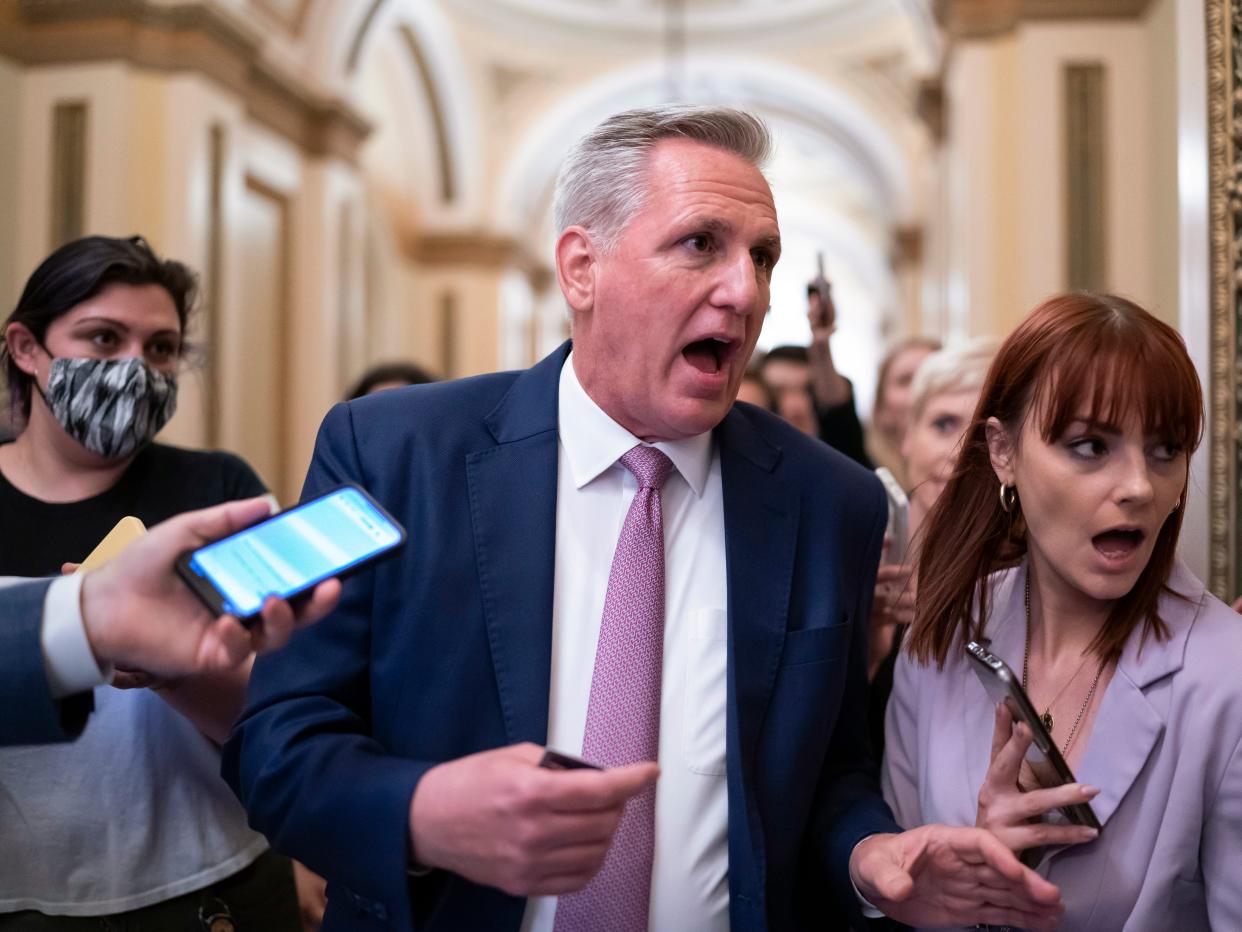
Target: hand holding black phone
x=1003, y=687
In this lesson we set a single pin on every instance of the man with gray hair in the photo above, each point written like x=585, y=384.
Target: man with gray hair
x=609, y=560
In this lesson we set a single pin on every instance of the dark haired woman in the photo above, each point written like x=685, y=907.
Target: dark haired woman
x=131, y=822
x=388, y=375
x=1055, y=540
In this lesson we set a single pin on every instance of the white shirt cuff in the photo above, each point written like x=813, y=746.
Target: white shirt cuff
x=70, y=665
x=868, y=908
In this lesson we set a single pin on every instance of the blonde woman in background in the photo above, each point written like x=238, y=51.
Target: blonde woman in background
x=943, y=395
x=890, y=414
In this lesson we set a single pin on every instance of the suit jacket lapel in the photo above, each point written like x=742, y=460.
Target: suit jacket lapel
x=761, y=527
x=513, y=513
x=1128, y=725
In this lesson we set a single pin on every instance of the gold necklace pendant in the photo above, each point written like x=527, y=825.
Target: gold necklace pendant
x=1046, y=718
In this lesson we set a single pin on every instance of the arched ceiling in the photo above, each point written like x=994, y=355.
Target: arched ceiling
x=611, y=23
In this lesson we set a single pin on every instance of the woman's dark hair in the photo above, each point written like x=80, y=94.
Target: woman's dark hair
x=76, y=272
x=1096, y=355
x=404, y=372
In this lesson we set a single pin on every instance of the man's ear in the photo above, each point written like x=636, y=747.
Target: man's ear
x=23, y=348
x=1001, y=448
x=575, y=268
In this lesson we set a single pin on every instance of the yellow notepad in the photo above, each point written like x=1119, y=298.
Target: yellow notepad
x=127, y=530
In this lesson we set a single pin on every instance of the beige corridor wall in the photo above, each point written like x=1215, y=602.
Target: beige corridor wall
x=1006, y=166
x=253, y=347
x=1162, y=36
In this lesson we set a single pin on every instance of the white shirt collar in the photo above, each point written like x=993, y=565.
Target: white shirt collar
x=593, y=441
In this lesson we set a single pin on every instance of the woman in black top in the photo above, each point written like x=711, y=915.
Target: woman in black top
x=91, y=356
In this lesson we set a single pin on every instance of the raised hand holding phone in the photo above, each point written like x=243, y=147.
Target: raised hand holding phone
x=1043, y=758
x=1007, y=812
x=138, y=614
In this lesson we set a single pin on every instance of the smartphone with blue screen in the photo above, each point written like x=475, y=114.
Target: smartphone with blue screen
x=290, y=553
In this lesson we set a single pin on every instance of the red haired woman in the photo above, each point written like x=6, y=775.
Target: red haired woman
x=1055, y=540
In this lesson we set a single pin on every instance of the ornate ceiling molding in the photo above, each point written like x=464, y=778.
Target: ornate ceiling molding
x=471, y=248
x=289, y=15
x=982, y=19
x=196, y=37
x=645, y=20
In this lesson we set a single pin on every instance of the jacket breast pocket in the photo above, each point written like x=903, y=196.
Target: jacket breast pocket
x=815, y=645
x=703, y=711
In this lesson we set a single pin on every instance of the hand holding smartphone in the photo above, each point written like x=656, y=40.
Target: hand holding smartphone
x=329, y=536
x=1004, y=688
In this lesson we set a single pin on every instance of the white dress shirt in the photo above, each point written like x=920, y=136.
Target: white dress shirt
x=690, y=875
x=71, y=666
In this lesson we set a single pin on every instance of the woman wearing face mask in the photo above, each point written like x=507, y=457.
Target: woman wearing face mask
x=1055, y=541
x=132, y=821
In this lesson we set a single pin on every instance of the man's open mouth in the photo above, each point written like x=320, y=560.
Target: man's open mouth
x=1118, y=542
x=709, y=355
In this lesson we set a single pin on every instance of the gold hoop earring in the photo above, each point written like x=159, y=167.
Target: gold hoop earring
x=1008, y=497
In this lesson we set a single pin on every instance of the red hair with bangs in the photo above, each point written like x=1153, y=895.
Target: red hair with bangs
x=1080, y=353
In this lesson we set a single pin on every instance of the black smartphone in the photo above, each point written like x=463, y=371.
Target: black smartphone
x=291, y=552
x=555, y=760
x=1044, y=756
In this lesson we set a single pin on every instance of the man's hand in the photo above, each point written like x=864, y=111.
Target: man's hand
x=139, y=615
x=500, y=819
x=942, y=876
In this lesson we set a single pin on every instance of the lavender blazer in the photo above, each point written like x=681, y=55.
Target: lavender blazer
x=1165, y=750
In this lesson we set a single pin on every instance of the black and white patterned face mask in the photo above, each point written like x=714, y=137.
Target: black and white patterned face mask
x=110, y=406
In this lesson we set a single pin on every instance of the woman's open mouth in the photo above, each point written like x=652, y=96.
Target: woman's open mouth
x=1118, y=543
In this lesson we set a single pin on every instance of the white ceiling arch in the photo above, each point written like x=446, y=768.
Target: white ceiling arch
x=444, y=121
x=628, y=21
x=871, y=153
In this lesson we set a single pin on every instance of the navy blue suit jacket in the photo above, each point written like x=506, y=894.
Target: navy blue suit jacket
x=445, y=650
x=28, y=713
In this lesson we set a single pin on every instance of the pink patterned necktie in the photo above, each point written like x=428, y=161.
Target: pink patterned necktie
x=623, y=713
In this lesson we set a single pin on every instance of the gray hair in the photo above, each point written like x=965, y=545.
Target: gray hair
x=953, y=369
x=600, y=186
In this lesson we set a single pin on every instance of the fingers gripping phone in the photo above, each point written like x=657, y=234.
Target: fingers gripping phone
x=1003, y=686
x=290, y=553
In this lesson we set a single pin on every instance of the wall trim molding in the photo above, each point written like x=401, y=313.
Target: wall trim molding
x=196, y=37
x=987, y=19
x=474, y=249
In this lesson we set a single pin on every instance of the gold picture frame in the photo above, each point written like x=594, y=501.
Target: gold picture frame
x=1224, y=77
